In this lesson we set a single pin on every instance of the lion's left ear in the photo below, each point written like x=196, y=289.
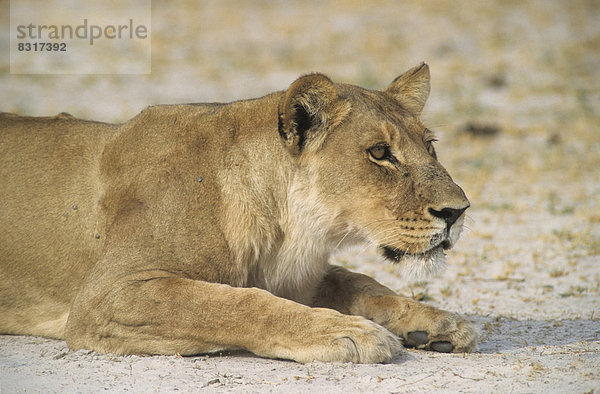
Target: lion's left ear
x=411, y=89
x=309, y=108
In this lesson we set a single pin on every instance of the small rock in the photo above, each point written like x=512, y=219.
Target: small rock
x=213, y=381
x=496, y=81
x=554, y=139
x=481, y=129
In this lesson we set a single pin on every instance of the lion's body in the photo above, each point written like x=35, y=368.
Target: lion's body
x=49, y=215
x=158, y=234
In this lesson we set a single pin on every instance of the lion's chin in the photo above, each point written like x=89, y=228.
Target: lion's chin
x=418, y=266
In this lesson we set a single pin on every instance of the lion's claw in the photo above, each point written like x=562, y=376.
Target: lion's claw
x=416, y=338
x=442, y=346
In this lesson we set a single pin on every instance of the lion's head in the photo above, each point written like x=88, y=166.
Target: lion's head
x=371, y=161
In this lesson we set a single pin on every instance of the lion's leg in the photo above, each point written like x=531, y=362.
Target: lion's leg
x=174, y=315
x=420, y=325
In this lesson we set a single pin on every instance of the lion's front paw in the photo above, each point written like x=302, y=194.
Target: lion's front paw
x=340, y=338
x=424, y=327
x=364, y=342
x=447, y=333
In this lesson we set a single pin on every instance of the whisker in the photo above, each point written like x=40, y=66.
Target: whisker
x=401, y=234
x=344, y=237
x=470, y=218
x=398, y=230
x=400, y=237
x=368, y=244
x=406, y=252
x=379, y=221
x=384, y=233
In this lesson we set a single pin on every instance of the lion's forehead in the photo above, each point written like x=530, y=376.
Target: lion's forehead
x=406, y=130
x=369, y=128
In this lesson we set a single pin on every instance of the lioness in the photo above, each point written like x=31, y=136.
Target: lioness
x=204, y=227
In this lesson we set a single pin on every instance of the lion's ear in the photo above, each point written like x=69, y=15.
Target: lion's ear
x=411, y=89
x=309, y=108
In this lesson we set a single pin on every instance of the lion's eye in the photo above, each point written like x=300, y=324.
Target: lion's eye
x=431, y=149
x=380, y=152
x=429, y=139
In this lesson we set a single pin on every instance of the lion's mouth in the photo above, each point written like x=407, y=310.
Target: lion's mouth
x=423, y=264
x=396, y=255
x=418, y=266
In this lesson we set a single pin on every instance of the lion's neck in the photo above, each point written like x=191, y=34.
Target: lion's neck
x=279, y=231
x=295, y=269
x=283, y=241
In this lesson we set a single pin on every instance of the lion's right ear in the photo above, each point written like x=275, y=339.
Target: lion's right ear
x=309, y=108
x=411, y=89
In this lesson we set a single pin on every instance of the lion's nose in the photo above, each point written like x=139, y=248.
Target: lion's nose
x=450, y=215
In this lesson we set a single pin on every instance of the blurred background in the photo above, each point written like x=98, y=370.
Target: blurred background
x=515, y=102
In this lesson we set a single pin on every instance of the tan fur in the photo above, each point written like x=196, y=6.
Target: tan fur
x=202, y=227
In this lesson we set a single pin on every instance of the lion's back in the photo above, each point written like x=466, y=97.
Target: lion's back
x=49, y=211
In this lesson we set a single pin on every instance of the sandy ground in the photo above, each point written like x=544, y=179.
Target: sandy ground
x=516, y=105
